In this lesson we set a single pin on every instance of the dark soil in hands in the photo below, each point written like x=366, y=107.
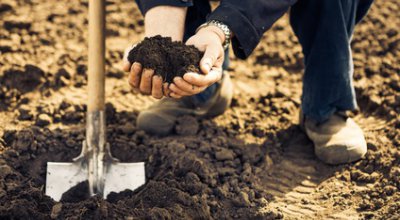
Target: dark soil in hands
x=166, y=57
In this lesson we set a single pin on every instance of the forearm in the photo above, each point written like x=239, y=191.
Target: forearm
x=168, y=21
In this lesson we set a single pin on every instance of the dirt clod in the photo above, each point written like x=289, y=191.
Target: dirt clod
x=25, y=113
x=187, y=125
x=4, y=7
x=55, y=211
x=224, y=154
x=77, y=193
x=43, y=120
x=9, y=25
x=24, y=81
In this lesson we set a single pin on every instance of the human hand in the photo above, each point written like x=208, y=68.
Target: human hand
x=208, y=39
x=144, y=80
x=172, y=25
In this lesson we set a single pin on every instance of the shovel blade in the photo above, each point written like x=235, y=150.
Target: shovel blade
x=122, y=176
x=61, y=177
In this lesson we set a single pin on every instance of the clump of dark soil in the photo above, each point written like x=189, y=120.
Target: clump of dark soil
x=16, y=82
x=77, y=193
x=5, y=8
x=24, y=81
x=166, y=57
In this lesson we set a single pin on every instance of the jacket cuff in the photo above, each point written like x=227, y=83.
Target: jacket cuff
x=245, y=37
x=146, y=5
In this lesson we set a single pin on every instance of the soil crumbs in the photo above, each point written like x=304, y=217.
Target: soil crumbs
x=253, y=162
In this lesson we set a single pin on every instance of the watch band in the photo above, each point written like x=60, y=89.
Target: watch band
x=224, y=28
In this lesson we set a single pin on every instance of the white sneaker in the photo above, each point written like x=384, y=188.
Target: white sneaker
x=336, y=141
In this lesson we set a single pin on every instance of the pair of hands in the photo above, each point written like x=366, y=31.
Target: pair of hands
x=146, y=82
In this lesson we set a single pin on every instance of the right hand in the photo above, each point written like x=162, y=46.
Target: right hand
x=209, y=40
x=144, y=80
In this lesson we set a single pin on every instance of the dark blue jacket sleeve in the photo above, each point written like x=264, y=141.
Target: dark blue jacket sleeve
x=248, y=20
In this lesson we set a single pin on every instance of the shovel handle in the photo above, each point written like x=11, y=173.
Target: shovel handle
x=95, y=124
x=96, y=52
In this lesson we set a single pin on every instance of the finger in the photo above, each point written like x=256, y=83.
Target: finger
x=157, y=87
x=203, y=80
x=178, y=91
x=211, y=56
x=145, y=81
x=186, y=87
x=126, y=52
x=166, y=90
x=135, y=74
x=126, y=65
x=175, y=96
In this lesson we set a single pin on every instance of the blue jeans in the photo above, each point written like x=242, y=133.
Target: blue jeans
x=324, y=29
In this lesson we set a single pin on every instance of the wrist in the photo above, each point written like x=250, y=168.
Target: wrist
x=220, y=29
x=172, y=24
x=214, y=30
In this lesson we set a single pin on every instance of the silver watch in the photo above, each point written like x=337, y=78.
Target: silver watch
x=224, y=28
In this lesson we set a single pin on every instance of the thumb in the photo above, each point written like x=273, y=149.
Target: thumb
x=210, y=57
x=126, y=65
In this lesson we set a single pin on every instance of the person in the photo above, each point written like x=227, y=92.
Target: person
x=324, y=29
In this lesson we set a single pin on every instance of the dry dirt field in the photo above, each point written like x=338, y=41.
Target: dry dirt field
x=251, y=163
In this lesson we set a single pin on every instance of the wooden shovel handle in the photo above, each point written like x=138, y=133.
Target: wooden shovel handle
x=96, y=53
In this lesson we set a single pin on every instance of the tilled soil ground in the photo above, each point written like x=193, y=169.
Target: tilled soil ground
x=253, y=162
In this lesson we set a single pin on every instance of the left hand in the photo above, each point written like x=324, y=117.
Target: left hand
x=208, y=39
x=144, y=80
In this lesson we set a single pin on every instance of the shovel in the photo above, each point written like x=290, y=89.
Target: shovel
x=95, y=164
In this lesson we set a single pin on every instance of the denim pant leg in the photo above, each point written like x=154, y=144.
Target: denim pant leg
x=324, y=29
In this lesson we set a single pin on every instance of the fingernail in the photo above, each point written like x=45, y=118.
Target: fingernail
x=188, y=76
x=177, y=79
x=136, y=90
x=207, y=60
x=136, y=66
x=126, y=66
x=207, y=64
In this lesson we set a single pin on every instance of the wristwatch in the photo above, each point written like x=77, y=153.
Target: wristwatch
x=224, y=28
